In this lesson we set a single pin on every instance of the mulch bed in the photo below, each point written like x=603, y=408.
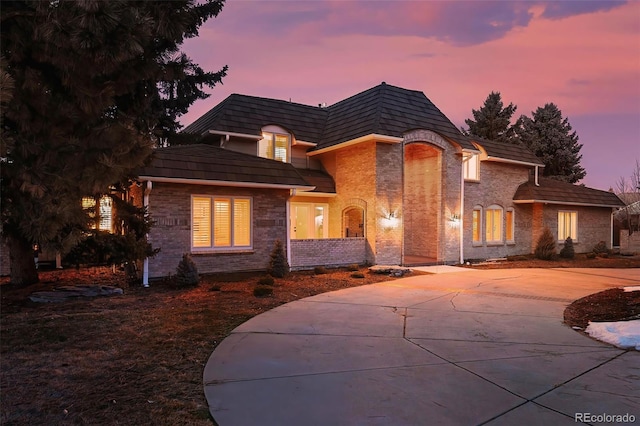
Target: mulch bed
x=609, y=305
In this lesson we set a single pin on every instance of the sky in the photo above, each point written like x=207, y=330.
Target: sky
x=584, y=56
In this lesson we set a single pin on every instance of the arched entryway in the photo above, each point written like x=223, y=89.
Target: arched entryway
x=422, y=203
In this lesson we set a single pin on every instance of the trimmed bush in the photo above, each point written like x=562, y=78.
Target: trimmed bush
x=267, y=280
x=186, y=272
x=262, y=290
x=278, y=267
x=601, y=249
x=546, y=246
x=319, y=270
x=568, y=252
x=355, y=267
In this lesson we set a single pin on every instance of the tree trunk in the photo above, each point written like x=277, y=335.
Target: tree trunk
x=23, y=267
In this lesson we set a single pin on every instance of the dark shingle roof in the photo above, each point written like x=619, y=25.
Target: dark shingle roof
x=249, y=114
x=386, y=110
x=508, y=151
x=383, y=109
x=321, y=180
x=556, y=192
x=209, y=163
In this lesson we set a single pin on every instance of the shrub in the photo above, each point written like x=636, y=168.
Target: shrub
x=186, y=272
x=591, y=255
x=262, y=290
x=601, y=249
x=568, y=251
x=319, y=270
x=266, y=280
x=278, y=267
x=357, y=275
x=546, y=246
x=355, y=267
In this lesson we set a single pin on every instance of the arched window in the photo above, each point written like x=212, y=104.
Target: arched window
x=353, y=222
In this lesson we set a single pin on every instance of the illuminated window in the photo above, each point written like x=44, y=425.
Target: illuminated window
x=509, y=225
x=493, y=224
x=274, y=146
x=220, y=222
x=309, y=221
x=476, y=225
x=472, y=167
x=101, y=213
x=567, y=225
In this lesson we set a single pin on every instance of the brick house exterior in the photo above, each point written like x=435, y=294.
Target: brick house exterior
x=382, y=177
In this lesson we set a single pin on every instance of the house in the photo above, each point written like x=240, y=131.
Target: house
x=382, y=177
x=626, y=224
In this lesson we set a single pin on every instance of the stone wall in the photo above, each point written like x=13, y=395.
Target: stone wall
x=306, y=254
x=170, y=207
x=629, y=243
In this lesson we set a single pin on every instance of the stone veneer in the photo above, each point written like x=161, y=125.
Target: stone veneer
x=306, y=254
x=170, y=208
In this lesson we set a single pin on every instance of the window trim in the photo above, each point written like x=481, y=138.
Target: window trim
x=573, y=225
x=500, y=240
x=218, y=248
x=510, y=224
x=467, y=168
x=480, y=240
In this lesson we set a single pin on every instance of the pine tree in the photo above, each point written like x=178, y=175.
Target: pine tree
x=492, y=121
x=88, y=88
x=550, y=137
x=278, y=266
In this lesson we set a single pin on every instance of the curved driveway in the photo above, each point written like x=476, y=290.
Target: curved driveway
x=467, y=348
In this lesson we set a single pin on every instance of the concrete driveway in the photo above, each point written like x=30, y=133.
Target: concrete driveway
x=468, y=348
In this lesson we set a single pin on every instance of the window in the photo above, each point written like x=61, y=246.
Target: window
x=493, y=224
x=510, y=225
x=101, y=212
x=274, y=146
x=476, y=225
x=472, y=167
x=567, y=225
x=220, y=222
x=309, y=220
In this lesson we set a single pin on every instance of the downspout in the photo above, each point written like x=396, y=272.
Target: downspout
x=292, y=193
x=536, y=177
x=461, y=230
x=611, y=226
x=145, y=203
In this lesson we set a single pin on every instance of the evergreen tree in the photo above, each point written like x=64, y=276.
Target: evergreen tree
x=88, y=88
x=492, y=121
x=550, y=138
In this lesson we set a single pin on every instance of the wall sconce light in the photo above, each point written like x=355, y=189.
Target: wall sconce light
x=390, y=221
x=454, y=220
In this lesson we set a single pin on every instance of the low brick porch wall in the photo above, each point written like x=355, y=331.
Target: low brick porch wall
x=306, y=254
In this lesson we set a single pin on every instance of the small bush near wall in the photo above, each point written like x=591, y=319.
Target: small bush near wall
x=568, y=251
x=601, y=249
x=262, y=290
x=278, y=267
x=319, y=270
x=186, y=272
x=546, y=246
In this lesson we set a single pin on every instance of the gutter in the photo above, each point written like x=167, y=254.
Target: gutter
x=367, y=138
x=227, y=183
x=564, y=203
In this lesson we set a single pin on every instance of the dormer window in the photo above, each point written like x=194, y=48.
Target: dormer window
x=275, y=146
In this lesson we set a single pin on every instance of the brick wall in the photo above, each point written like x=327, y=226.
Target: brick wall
x=327, y=252
x=389, y=164
x=170, y=207
x=629, y=243
x=497, y=186
x=594, y=225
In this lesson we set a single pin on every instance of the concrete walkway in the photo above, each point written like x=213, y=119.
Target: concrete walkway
x=481, y=347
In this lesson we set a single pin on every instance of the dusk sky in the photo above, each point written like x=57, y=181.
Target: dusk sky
x=582, y=56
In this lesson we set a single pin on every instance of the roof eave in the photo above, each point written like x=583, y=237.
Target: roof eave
x=565, y=203
x=509, y=161
x=236, y=184
x=239, y=135
x=366, y=138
